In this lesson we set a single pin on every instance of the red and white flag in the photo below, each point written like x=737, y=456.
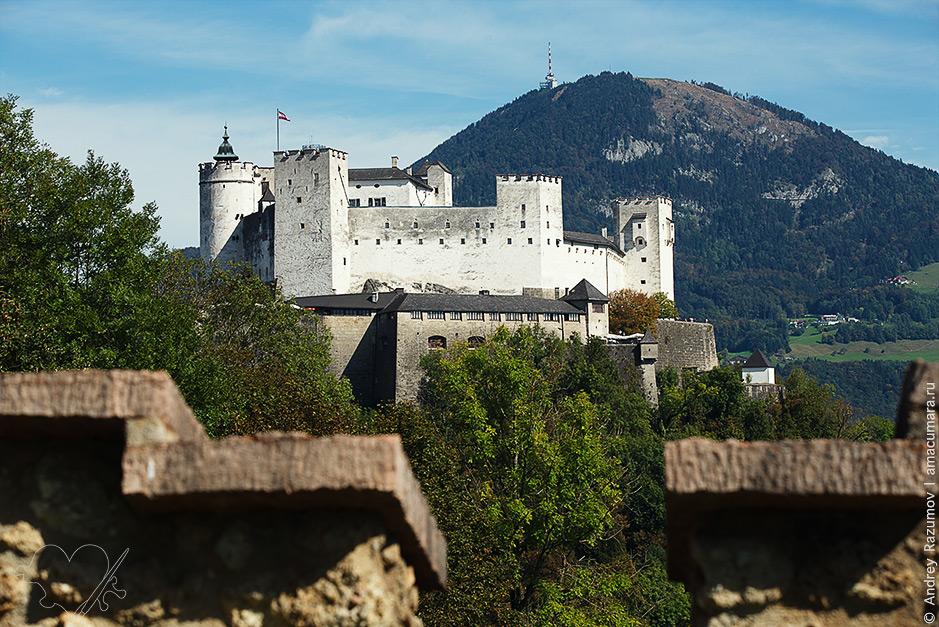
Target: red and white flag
x=281, y=116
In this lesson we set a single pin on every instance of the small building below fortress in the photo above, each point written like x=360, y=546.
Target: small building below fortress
x=315, y=226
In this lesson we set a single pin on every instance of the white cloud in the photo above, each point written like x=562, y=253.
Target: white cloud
x=876, y=141
x=51, y=91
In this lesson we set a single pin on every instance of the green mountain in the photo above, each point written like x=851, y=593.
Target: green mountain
x=775, y=214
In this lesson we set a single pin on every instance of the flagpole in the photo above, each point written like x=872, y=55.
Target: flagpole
x=277, y=115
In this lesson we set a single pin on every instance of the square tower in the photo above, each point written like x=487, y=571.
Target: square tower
x=311, y=222
x=645, y=232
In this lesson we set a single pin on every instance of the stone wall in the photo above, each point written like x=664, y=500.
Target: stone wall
x=685, y=345
x=115, y=509
x=820, y=532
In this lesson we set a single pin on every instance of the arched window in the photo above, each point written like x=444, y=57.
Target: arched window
x=476, y=341
x=640, y=241
x=436, y=341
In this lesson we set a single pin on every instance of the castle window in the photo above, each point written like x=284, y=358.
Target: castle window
x=462, y=240
x=387, y=225
x=399, y=241
x=529, y=240
x=494, y=316
x=598, y=308
x=299, y=199
x=376, y=184
x=643, y=281
x=302, y=225
x=510, y=240
x=316, y=178
x=492, y=225
x=643, y=260
x=477, y=225
x=355, y=202
x=415, y=225
x=549, y=225
x=289, y=181
x=475, y=315
x=475, y=341
x=436, y=342
x=420, y=241
x=456, y=315
x=343, y=261
x=523, y=207
x=441, y=240
x=484, y=240
x=533, y=317
x=371, y=202
x=358, y=187
x=435, y=315
x=378, y=242
x=415, y=315
x=572, y=317
x=356, y=242
x=523, y=224
x=552, y=317
x=513, y=317
x=447, y=225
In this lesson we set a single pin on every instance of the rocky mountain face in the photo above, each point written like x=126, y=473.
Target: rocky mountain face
x=774, y=212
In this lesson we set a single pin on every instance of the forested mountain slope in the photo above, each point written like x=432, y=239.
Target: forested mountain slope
x=774, y=212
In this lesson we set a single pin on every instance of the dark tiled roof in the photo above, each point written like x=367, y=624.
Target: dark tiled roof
x=347, y=301
x=590, y=239
x=481, y=302
x=585, y=291
x=757, y=360
x=384, y=174
x=422, y=171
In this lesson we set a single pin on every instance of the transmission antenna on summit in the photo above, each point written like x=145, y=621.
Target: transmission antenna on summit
x=549, y=81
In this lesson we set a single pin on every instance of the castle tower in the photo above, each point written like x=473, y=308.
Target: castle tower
x=228, y=190
x=311, y=222
x=645, y=233
x=530, y=214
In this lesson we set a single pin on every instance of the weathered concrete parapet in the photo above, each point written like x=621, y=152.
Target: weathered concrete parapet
x=276, y=528
x=819, y=532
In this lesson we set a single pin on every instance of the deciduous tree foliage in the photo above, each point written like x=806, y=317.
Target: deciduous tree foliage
x=86, y=283
x=632, y=311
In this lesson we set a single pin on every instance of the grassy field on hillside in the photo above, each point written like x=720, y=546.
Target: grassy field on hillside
x=809, y=345
x=927, y=279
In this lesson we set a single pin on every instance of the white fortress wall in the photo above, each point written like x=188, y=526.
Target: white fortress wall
x=471, y=257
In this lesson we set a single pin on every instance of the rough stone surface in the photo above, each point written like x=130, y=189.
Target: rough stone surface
x=817, y=533
x=685, y=345
x=96, y=403
x=278, y=529
x=921, y=379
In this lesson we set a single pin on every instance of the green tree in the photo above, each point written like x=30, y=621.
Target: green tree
x=538, y=462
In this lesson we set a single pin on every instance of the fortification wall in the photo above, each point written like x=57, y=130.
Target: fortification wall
x=811, y=532
x=413, y=335
x=353, y=352
x=685, y=345
x=446, y=248
x=108, y=484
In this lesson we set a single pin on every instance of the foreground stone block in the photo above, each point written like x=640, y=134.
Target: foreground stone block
x=821, y=533
x=118, y=477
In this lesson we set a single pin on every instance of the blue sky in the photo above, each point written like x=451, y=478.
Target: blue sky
x=150, y=84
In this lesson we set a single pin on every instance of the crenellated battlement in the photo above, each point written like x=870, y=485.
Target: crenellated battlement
x=309, y=153
x=639, y=200
x=527, y=178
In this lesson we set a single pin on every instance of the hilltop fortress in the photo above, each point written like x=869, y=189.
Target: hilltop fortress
x=317, y=227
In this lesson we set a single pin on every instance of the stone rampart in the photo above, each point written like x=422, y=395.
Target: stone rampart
x=815, y=532
x=685, y=345
x=116, y=509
